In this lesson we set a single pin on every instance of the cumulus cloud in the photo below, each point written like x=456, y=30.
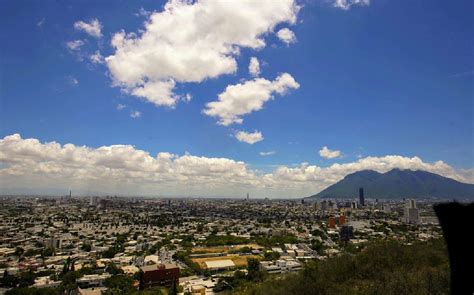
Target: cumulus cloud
x=96, y=58
x=249, y=137
x=123, y=169
x=254, y=67
x=159, y=93
x=135, y=114
x=75, y=44
x=269, y=153
x=191, y=42
x=329, y=154
x=28, y=161
x=286, y=35
x=346, y=4
x=241, y=99
x=92, y=28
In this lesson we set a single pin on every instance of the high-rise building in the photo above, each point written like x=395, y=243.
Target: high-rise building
x=361, y=196
x=55, y=243
x=342, y=220
x=411, y=214
x=93, y=201
x=331, y=222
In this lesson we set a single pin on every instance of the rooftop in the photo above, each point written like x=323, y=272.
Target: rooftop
x=157, y=266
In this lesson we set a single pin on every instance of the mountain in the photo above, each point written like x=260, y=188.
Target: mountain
x=396, y=184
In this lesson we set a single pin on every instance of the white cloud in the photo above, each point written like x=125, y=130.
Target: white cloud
x=135, y=114
x=71, y=80
x=41, y=22
x=121, y=106
x=192, y=42
x=93, y=28
x=269, y=153
x=248, y=137
x=188, y=97
x=123, y=169
x=329, y=154
x=346, y=4
x=254, y=67
x=159, y=92
x=74, y=45
x=286, y=35
x=143, y=12
x=241, y=99
x=96, y=58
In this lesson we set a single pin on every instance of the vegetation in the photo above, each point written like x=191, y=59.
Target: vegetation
x=117, y=247
x=386, y=267
x=194, y=268
x=119, y=284
x=276, y=240
x=214, y=240
x=33, y=291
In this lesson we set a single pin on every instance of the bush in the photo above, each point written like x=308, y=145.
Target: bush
x=381, y=268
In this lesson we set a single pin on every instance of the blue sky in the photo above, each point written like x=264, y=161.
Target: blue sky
x=374, y=79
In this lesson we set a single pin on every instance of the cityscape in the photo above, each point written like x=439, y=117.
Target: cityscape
x=236, y=147
x=197, y=246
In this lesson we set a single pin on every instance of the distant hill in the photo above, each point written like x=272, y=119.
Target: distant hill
x=396, y=184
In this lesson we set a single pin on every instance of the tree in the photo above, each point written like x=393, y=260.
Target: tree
x=47, y=252
x=174, y=289
x=113, y=269
x=253, y=268
x=119, y=284
x=9, y=280
x=86, y=247
x=69, y=281
x=26, y=279
x=271, y=255
x=18, y=251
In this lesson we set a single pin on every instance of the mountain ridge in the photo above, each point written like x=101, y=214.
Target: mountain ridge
x=398, y=184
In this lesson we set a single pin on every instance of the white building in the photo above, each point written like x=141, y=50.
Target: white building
x=411, y=214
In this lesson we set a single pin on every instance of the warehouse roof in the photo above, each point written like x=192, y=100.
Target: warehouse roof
x=216, y=264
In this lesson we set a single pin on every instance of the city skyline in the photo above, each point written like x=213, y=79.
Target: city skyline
x=147, y=99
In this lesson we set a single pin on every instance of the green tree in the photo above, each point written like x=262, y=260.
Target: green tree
x=119, y=284
x=253, y=268
x=26, y=278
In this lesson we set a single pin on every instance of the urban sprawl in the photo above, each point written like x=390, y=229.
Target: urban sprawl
x=85, y=245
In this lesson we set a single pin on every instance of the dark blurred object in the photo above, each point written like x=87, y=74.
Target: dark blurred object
x=457, y=223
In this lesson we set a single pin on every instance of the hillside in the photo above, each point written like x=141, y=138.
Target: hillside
x=396, y=184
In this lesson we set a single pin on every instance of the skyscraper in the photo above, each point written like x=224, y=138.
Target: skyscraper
x=412, y=215
x=361, y=196
x=93, y=201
